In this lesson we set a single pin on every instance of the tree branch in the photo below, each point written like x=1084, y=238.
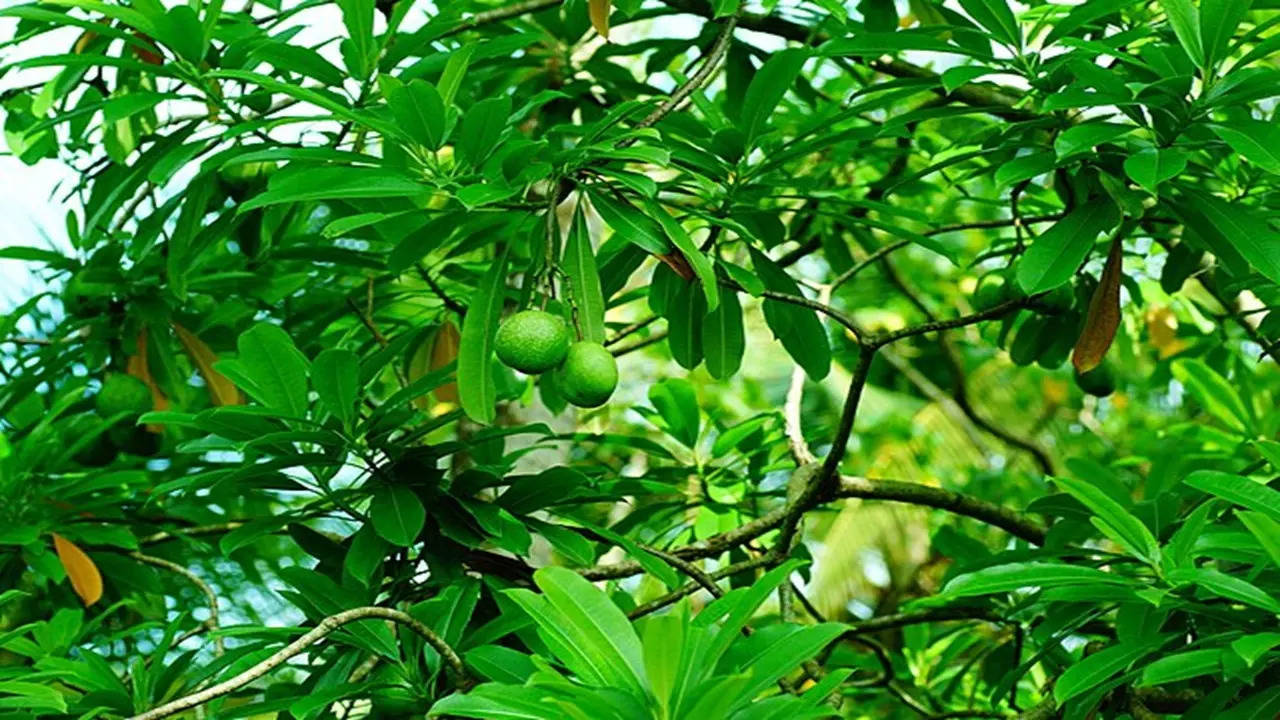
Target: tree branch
x=173, y=567
x=316, y=634
x=711, y=61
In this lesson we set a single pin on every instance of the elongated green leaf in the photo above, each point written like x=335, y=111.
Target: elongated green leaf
x=334, y=183
x=584, y=280
x=1227, y=586
x=1125, y=528
x=677, y=403
x=698, y=260
x=1182, y=666
x=1083, y=138
x=1257, y=141
x=1097, y=668
x=685, y=319
x=476, y=389
x=995, y=16
x=335, y=374
x=1185, y=19
x=1252, y=647
x=397, y=515
x=797, y=327
x=1232, y=228
x=767, y=87
x=631, y=224
x=1214, y=393
x=1013, y=576
x=1151, y=166
x=1218, y=22
x=737, y=607
x=723, y=337
x=786, y=653
x=493, y=700
x=480, y=128
x=1267, y=532
x=1237, y=489
x=276, y=369
x=585, y=629
x=1054, y=257
x=420, y=112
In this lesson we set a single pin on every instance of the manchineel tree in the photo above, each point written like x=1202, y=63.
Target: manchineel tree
x=945, y=379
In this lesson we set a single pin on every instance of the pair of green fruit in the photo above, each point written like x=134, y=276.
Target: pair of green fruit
x=120, y=393
x=535, y=341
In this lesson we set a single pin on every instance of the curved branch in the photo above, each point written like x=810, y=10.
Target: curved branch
x=173, y=567
x=1008, y=520
x=935, y=325
x=315, y=635
x=711, y=61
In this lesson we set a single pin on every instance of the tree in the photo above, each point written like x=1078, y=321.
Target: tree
x=945, y=347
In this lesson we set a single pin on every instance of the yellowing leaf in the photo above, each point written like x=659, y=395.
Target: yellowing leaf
x=221, y=390
x=599, y=10
x=137, y=367
x=1104, y=314
x=434, y=353
x=1162, y=328
x=84, y=575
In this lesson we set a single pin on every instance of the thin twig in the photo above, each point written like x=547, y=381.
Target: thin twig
x=704, y=73
x=316, y=634
x=173, y=567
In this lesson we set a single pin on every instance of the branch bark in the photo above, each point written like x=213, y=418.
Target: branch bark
x=315, y=635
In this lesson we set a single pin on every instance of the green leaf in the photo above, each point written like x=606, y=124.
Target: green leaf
x=454, y=70
x=1267, y=532
x=277, y=369
x=334, y=183
x=420, y=112
x=798, y=328
x=1084, y=137
x=1214, y=394
x=335, y=375
x=476, y=389
x=585, y=630
x=631, y=224
x=1054, y=257
x=768, y=86
x=995, y=16
x=1013, y=576
x=579, y=264
x=1095, y=669
x=677, y=403
x=492, y=700
x=785, y=653
x=1252, y=647
x=397, y=514
x=1237, y=489
x=698, y=260
x=1256, y=140
x=1218, y=22
x=1151, y=166
x=723, y=337
x=1226, y=586
x=685, y=318
x=1185, y=19
x=1181, y=666
x=1232, y=227
x=1025, y=167
x=359, y=49
x=302, y=60
x=1125, y=528
x=480, y=128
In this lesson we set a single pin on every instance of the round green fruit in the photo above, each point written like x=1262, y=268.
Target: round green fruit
x=1057, y=300
x=396, y=702
x=992, y=290
x=134, y=439
x=122, y=393
x=98, y=452
x=589, y=375
x=532, y=341
x=1098, y=381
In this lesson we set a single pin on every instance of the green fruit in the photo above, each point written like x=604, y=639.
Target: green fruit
x=1029, y=342
x=98, y=452
x=123, y=393
x=589, y=374
x=134, y=439
x=1098, y=381
x=532, y=341
x=77, y=301
x=1057, y=300
x=992, y=290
